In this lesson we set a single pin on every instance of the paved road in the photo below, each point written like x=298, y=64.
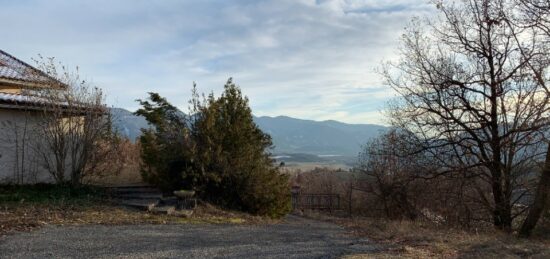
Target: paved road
x=294, y=238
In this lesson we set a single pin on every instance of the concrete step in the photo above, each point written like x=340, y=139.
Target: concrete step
x=168, y=210
x=170, y=200
x=141, y=204
x=130, y=186
x=138, y=196
x=150, y=199
x=172, y=211
x=119, y=190
x=183, y=213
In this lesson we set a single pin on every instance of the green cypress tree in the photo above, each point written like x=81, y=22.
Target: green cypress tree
x=166, y=148
x=217, y=150
x=235, y=159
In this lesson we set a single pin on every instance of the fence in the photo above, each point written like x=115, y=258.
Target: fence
x=316, y=201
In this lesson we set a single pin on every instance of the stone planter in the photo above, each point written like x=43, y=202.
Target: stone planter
x=184, y=194
x=185, y=199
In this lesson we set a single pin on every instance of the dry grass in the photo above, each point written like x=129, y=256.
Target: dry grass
x=124, y=177
x=408, y=239
x=129, y=175
x=29, y=216
x=25, y=208
x=207, y=213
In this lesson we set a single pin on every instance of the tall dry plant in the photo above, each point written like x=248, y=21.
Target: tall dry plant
x=394, y=166
x=75, y=129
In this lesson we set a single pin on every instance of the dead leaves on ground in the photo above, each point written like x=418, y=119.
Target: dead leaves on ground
x=23, y=216
x=406, y=239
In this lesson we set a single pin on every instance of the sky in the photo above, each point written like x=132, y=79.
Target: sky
x=309, y=59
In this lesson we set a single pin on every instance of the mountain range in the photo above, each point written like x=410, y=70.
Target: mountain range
x=290, y=135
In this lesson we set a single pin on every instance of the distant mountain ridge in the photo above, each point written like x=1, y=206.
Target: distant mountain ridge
x=290, y=135
x=127, y=123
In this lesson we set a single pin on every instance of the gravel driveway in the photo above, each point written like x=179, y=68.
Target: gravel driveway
x=295, y=237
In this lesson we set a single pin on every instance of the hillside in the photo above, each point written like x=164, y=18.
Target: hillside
x=127, y=123
x=324, y=139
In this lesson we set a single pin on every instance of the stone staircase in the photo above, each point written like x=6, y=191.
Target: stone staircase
x=148, y=198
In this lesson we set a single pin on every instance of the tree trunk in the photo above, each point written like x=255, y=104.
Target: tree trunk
x=541, y=199
x=502, y=215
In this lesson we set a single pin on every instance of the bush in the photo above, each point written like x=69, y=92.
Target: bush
x=218, y=151
x=166, y=149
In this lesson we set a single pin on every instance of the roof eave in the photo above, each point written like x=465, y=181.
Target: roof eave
x=27, y=84
x=45, y=108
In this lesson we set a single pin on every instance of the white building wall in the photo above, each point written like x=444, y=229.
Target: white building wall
x=20, y=163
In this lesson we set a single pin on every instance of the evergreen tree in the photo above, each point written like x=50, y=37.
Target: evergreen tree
x=234, y=156
x=166, y=149
x=218, y=150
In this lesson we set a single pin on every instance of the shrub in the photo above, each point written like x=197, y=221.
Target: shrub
x=166, y=149
x=218, y=151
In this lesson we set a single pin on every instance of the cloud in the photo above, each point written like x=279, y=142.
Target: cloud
x=308, y=59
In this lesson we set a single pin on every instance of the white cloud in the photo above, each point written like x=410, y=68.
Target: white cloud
x=307, y=59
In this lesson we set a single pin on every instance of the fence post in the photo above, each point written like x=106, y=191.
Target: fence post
x=349, y=198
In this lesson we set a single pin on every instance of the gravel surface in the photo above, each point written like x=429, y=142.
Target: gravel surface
x=295, y=237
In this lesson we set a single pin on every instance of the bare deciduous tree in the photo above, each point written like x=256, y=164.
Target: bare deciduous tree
x=537, y=14
x=541, y=199
x=473, y=84
x=393, y=164
x=77, y=138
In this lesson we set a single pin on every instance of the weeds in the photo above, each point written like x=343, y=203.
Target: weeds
x=419, y=239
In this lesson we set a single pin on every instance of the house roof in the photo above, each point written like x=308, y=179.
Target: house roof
x=24, y=102
x=20, y=99
x=16, y=72
x=40, y=103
